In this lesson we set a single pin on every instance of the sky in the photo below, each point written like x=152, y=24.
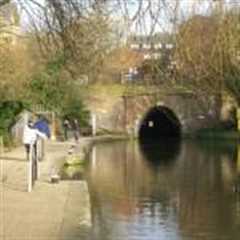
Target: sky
x=144, y=23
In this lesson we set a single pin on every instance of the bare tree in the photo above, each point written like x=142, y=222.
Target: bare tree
x=15, y=60
x=207, y=53
x=79, y=28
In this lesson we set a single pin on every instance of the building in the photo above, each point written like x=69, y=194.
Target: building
x=156, y=53
x=152, y=47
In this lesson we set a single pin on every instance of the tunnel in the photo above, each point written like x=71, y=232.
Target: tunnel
x=159, y=123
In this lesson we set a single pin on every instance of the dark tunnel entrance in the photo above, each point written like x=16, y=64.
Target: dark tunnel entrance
x=159, y=123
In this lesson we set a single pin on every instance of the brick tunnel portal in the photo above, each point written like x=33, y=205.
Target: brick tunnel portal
x=159, y=123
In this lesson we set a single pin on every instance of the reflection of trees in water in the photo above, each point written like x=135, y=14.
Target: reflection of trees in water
x=218, y=147
x=103, y=180
x=122, y=184
x=161, y=180
x=127, y=185
x=205, y=203
x=160, y=157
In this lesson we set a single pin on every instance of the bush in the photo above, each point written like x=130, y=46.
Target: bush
x=75, y=109
x=217, y=133
x=8, y=113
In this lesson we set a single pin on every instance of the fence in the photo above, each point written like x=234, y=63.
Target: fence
x=35, y=155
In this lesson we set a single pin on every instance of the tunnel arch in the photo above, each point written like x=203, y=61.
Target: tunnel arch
x=160, y=123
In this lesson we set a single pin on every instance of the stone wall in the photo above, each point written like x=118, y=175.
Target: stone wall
x=124, y=114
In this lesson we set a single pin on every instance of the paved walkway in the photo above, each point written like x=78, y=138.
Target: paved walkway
x=49, y=211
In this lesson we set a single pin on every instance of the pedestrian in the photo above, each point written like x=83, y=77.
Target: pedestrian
x=76, y=129
x=30, y=137
x=42, y=126
x=66, y=127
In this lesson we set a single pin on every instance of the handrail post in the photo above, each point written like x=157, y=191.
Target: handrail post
x=1, y=146
x=53, y=135
x=41, y=149
x=30, y=168
x=94, y=124
x=37, y=159
x=33, y=165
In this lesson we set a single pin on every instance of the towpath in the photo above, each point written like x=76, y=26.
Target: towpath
x=51, y=211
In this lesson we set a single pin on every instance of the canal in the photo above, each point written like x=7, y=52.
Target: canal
x=167, y=190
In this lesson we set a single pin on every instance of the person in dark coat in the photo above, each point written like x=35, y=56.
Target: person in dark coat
x=66, y=128
x=76, y=129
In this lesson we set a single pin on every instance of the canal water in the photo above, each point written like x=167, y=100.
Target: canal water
x=167, y=190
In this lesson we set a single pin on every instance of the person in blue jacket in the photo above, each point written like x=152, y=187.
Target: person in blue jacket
x=42, y=125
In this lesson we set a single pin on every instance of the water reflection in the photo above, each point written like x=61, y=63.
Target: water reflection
x=164, y=191
x=161, y=152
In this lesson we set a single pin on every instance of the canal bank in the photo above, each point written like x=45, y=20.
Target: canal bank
x=50, y=211
x=78, y=155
